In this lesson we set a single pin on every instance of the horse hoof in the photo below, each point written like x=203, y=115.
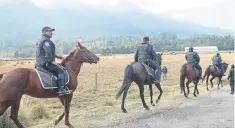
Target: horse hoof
x=186, y=95
x=124, y=110
x=195, y=95
x=146, y=107
x=71, y=126
x=207, y=89
x=153, y=104
x=157, y=101
x=54, y=123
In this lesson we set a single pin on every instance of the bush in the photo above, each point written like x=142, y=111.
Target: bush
x=5, y=122
x=38, y=112
x=108, y=103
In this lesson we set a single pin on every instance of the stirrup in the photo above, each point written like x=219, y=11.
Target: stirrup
x=65, y=91
x=156, y=81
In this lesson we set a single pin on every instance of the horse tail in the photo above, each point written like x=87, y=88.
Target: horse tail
x=206, y=72
x=127, y=76
x=182, y=77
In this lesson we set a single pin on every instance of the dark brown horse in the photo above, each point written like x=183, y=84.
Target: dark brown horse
x=22, y=81
x=211, y=70
x=191, y=75
x=136, y=72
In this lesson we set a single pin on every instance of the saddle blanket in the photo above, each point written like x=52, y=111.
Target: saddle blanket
x=149, y=70
x=218, y=69
x=197, y=72
x=49, y=80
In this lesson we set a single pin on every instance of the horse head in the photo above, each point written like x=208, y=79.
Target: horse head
x=225, y=66
x=81, y=54
x=159, y=58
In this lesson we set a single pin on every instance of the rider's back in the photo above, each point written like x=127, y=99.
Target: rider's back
x=144, y=52
x=191, y=57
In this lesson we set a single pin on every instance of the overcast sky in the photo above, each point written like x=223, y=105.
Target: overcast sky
x=217, y=13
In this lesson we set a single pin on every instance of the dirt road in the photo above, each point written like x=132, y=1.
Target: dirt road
x=215, y=109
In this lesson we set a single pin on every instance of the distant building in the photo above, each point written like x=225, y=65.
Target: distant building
x=204, y=49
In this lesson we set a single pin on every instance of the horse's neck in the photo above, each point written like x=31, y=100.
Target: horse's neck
x=74, y=67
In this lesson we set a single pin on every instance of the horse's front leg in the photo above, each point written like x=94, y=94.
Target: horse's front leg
x=151, y=95
x=67, y=101
x=219, y=82
x=62, y=115
x=211, y=80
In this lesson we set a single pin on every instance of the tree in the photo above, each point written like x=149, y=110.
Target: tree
x=16, y=54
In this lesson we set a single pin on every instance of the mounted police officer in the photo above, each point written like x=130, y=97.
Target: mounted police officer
x=146, y=54
x=217, y=62
x=45, y=58
x=193, y=59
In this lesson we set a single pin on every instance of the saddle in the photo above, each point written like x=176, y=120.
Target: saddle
x=48, y=79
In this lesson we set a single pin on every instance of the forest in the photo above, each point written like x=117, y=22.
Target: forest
x=116, y=44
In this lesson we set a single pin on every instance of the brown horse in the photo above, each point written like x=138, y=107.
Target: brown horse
x=189, y=73
x=22, y=81
x=211, y=70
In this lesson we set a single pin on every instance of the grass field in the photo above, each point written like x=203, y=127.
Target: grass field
x=96, y=106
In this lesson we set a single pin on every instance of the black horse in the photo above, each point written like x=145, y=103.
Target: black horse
x=137, y=72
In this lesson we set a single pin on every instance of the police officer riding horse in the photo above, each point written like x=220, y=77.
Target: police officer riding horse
x=191, y=71
x=144, y=71
x=45, y=58
x=147, y=55
x=217, y=63
x=194, y=59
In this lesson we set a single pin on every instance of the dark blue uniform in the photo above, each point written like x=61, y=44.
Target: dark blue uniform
x=45, y=56
x=193, y=59
x=217, y=62
x=146, y=54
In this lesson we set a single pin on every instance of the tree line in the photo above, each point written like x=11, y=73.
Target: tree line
x=118, y=44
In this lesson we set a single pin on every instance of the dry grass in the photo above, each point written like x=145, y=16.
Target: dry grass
x=93, y=107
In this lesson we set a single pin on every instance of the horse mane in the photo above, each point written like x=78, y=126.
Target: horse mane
x=67, y=57
x=225, y=63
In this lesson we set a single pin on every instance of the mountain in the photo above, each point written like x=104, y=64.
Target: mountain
x=25, y=22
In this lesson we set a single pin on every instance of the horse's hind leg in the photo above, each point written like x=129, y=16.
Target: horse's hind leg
x=3, y=108
x=158, y=85
x=182, y=85
x=14, y=113
x=141, y=87
x=195, y=88
x=187, y=84
x=207, y=79
x=151, y=94
x=182, y=82
x=124, y=96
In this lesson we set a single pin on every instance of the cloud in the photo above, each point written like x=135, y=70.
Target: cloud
x=4, y=2
x=217, y=13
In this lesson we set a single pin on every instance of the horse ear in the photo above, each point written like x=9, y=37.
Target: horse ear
x=79, y=45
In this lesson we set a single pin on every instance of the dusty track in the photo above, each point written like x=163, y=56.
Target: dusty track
x=214, y=109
